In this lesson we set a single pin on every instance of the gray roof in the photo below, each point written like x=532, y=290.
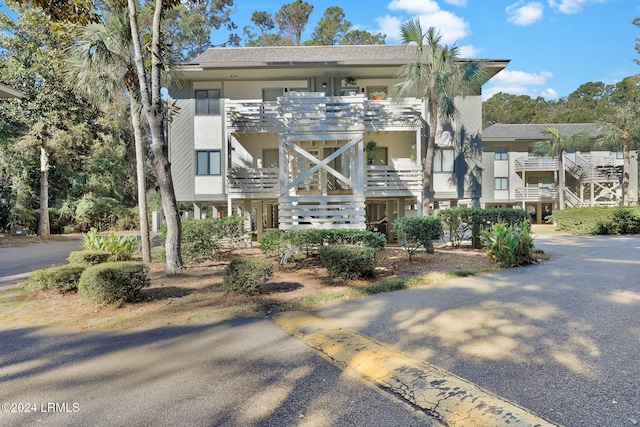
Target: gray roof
x=386, y=54
x=534, y=131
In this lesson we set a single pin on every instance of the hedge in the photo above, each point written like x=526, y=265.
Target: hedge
x=62, y=278
x=598, y=220
x=113, y=281
x=89, y=257
x=247, y=275
x=348, y=261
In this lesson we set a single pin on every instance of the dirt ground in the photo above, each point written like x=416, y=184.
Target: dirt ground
x=195, y=296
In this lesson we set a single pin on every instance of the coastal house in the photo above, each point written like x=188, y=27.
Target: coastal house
x=306, y=137
x=513, y=177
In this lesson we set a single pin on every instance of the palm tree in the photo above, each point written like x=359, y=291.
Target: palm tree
x=623, y=133
x=437, y=76
x=103, y=67
x=555, y=146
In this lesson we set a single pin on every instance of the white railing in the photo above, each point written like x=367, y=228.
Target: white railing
x=324, y=212
x=253, y=181
x=311, y=111
x=535, y=193
x=383, y=180
x=535, y=163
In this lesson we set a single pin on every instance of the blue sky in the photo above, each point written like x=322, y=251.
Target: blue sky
x=554, y=45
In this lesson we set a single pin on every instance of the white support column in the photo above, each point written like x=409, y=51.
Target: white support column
x=246, y=212
x=259, y=218
x=196, y=211
x=389, y=213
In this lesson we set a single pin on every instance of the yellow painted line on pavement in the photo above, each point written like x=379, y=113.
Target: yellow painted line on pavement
x=446, y=397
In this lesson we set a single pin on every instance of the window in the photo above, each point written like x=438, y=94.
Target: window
x=208, y=102
x=208, y=162
x=500, y=153
x=443, y=159
x=617, y=154
x=502, y=184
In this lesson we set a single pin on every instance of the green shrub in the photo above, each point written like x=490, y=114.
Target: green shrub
x=97, y=212
x=417, y=232
x=598, y=220
x=463, y=222
x=274, y=243
x=510, y=245
x=62, y=278
x=113, y=281
x=89, y=257
x=202, y=239
x=348, y=261
x=277, y=243
x=121, y=248
x=247, y=275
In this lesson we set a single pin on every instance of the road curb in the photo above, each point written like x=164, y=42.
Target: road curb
x=446, y=397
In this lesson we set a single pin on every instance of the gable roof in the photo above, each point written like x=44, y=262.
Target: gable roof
x=337, y=56
x=534, y=131
x=8, y=92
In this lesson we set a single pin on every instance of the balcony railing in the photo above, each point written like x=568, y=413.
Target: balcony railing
x=380, y=181
x=535, y=163
x=384, y=180
x=254, y=181
x=535, y=193
x=311, y=111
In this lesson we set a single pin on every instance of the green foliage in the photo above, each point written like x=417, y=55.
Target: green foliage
x=97, y=212
x=203, y=238
x=417, y=232
x=598, y=220
x=121, y=248
x=510, y=245
x=62, y=278
x=348, y=261
x=247, y=275
x=89, y=257
x=463, y=222
x=113, y=281
x=277, y=243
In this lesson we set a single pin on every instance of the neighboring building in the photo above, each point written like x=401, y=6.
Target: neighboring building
x=8, y=92
x=513, y=177
x=303, y=137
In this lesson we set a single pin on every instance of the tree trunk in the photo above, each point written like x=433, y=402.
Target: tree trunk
x=561, y=179
x=626, y=166
x=427, y=171
x=142, y=193
x=152, y=104
x=44, y=228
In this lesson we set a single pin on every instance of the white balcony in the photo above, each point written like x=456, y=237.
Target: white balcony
x=314, y=111
x=536, y=163
x=381, y=181
x=535, y=194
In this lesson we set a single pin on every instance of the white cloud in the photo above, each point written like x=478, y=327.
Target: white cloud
x=523, y=14
x=520, y=83
x=457, y=2
x=451, y=26
x=571, y=6
x=414, y=7
x=469, y=51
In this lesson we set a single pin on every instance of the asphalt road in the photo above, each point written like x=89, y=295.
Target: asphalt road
x=17, y=261
x=240, y=373
x=561, y=338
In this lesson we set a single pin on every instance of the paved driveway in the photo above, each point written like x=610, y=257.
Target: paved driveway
x=561, y=338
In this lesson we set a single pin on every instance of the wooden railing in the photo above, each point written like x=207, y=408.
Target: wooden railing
x=380, y=181
x=384, y=180
x=301, y=213
x=535, y=163
x=535, y=193
x=314, y=111
x=254, y=181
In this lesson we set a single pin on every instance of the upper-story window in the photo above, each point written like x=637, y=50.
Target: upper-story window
x=208, y=102
x=272, y=94
x=500, y=153
x=443, y=159
x=208, y=162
